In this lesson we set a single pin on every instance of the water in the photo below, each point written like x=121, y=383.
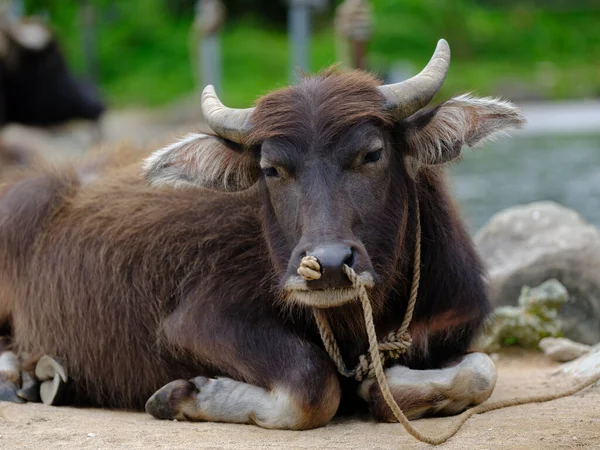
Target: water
x=524, y=169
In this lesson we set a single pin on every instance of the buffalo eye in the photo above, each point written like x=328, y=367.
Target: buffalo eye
x=372, y=157
x=270, y=172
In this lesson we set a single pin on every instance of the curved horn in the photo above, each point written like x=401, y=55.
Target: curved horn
x=228, y=123
x=408, y=96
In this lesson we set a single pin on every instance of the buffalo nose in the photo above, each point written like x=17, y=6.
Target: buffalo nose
x=331, y=259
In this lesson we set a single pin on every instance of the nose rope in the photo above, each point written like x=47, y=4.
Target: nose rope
x=309, y=269
x=392, y=346
x=396, y=343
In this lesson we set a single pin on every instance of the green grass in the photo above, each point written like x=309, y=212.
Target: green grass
x=256, y=61
x=144, y=51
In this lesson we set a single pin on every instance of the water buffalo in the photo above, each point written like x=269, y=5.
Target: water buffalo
x=36, y=86
x=177, y=279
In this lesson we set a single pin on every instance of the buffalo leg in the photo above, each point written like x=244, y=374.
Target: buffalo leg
x=10, y=377
x=16, y=383
x=446, y=391
x=227, y=400
x=267, y=375
x=30, y=388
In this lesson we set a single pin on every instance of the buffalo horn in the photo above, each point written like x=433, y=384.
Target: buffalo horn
x=228, y=123
x=409, y=96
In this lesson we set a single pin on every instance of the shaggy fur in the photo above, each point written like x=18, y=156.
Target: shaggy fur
x=137, y=285
x=326, y=105
x=16, y=157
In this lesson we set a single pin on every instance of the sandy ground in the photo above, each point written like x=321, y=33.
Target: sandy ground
x=572, y=422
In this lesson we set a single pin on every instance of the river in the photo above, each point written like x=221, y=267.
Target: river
x=543, y=162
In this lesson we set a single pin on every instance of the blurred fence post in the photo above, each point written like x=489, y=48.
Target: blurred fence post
x=299, y=33
x=353, y=25
x=210, y=15
x=87, y=17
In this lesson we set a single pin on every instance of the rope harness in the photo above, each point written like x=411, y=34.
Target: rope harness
x=392, y=346
x=396, y=343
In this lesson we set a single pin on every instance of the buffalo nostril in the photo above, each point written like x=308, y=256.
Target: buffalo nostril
x=350, y=259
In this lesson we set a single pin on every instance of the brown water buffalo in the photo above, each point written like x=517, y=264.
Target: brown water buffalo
x=182, y=272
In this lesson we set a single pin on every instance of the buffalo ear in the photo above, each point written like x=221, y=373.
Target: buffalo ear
x=200, y=160
x=438, y=135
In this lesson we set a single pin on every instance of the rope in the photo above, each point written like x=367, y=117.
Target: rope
x=377, y=364
x=392, y=346
x=396, y=343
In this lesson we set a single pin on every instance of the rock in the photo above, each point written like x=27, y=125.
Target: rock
x=535, y=318
x=584, y=367
x=526, y=245
x=562, y=349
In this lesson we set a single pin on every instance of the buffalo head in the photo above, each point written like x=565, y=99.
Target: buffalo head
x=36, y=86
x=337, y=159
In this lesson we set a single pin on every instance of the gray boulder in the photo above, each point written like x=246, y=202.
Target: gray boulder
x=563, y=349
x=529, y=244
x=584, y=367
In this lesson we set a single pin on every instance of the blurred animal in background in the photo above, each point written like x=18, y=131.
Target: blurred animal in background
x=36, y=86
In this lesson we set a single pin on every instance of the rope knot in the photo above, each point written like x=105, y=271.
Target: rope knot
x=364, y=368
x=391, y=347
x=395, y=345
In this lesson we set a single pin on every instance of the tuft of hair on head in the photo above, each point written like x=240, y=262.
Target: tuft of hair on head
x=332, y=98
x=333, y=70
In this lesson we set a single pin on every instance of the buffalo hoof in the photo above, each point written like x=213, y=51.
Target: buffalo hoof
x=166, y=403
x=54, y=381
x=8, y=392
x=9, y=377
x=30, y=388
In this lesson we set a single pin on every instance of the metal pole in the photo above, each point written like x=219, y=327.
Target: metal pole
x=211, y=61
x=210, y=15
x=299, y=34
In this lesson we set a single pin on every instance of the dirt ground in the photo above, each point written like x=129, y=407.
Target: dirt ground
x=572, y=422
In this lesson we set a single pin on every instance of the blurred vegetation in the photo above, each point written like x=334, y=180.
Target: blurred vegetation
x=543, y=49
